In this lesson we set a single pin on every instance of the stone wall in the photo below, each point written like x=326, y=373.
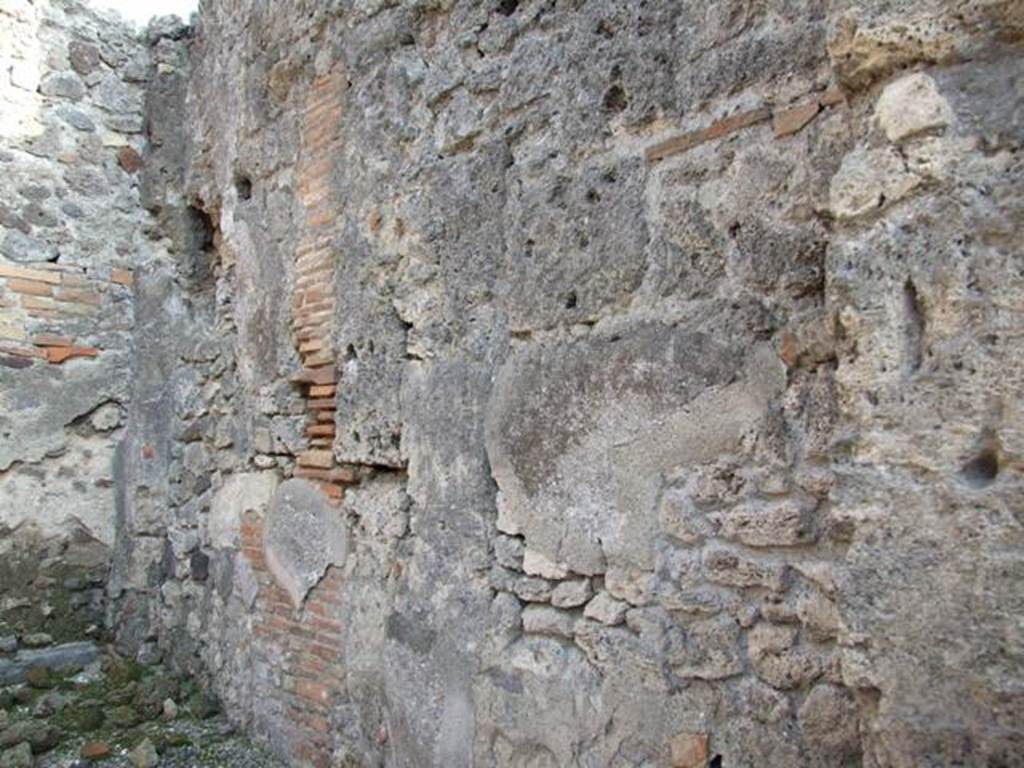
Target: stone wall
x=72, y=85
x=603, y=384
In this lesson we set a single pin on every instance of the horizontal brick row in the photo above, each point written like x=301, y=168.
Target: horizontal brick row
x=785, y=121
x=306, y=642
x=47, y=296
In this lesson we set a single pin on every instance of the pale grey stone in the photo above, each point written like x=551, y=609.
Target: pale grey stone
x=63, y=85
x=56, y=657
x=304, y=535
x=571, y=594
x=240, y=493
x=536, y=564
x=545, y=620
x=606, y=609
x=144, y=755
x=868, y=181
x=508, y=551
x=911, y=105
x=553, y=490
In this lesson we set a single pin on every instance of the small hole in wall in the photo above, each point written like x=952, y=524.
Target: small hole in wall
x=507, y=7
x=716, y=762
x=571, y=300
x=615, y=99
x=981, y=471
x=243, y=185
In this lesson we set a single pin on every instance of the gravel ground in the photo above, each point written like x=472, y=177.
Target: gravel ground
x=209, y=749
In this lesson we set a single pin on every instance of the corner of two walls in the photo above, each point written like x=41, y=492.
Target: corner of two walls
x=521, y=416
x=72, y=235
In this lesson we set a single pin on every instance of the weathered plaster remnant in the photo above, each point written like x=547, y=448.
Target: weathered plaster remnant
x=304, y=537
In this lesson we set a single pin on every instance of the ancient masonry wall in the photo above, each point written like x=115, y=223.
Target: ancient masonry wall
x=72, y=86
x=612, y=384
x=539, y=383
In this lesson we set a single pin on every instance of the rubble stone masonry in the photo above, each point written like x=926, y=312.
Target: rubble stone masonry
x=534, y=382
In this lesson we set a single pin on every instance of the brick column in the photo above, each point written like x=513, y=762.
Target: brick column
x=313, y=298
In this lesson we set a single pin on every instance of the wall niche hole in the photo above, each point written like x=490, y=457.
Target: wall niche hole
x=615, y=99
x=913, y=326
x=200, y=255
x=981, y=471
x=716, y=762
x=507, y=7
x=571, y=300
x=243, y=185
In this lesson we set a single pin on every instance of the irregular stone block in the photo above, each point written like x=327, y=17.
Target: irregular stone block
x=508, y=551
x=571, y=594
x=530, y=589
x=862, y=52
x=775, y=659
x=606, y=609
x=726, y=567
x=911, y=105
x=545, y=620
x=819, y=615
x=689, y=750
x=58, y=657
x=710, y=650
x=868, y=181
x=829, y=721
x=536, y=564
x=241, y=493
x=304, y=535
x=63, y=85
x=785, y=524
x=632, y=585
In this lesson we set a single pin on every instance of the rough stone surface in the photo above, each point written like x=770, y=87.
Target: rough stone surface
x=643, y=377
x=144, y=755
x=72, y=231
x=16, y=669
x=305, y=536
x=241, y=493
x=17, y=757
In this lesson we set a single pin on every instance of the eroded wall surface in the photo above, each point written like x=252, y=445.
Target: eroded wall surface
x=72, y=88
x=599, y=384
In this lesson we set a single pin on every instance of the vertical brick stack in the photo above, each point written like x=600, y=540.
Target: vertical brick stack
x=303, y=646
x=313, y=297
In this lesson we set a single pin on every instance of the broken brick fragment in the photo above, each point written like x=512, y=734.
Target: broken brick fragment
x=129, y=159
x=57, y=355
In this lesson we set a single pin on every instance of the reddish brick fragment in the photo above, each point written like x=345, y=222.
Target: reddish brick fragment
x=57, y=355
x=129, y=159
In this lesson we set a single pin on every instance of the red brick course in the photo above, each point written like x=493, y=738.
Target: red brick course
x=306, y=645
x=37, y=300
